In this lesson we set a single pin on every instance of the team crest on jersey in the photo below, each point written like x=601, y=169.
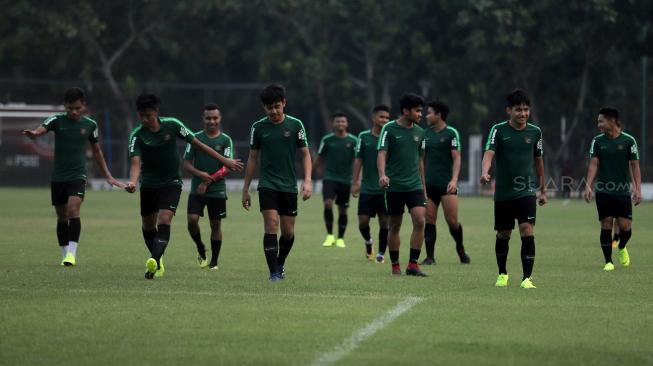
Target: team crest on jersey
x=166, y=137
x=349, y=145
x=441, y=139
x=82, y=131
x=286, y=133
x=527, y=140
x=620, y=147
x=415, y=138
x=218, y=147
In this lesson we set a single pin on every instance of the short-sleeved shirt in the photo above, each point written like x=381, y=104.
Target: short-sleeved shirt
x=338, y=154
x=158, y=152
x=405, y=148
x=515, y=153
x=366, y=151
x=614, y=156
x=438, y=161
x=224, y=146
x=277, y=144
x=70, y=139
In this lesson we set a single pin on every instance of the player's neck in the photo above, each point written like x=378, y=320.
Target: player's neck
x=340, y=133
x=376, y=130
x=156, y=127
x=516, y=125
x=212, y=134
x=439, y=126
x=613, y=133
x=405, y=122
x=280, y=121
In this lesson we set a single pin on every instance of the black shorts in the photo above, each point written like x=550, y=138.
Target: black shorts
x=336, y=190
x=162, y=198
x=521, y=209
x=285, y=203
x=612, y=205
x=217, y=207
x=395, y=201
x=435, y=193
x=60, y=191
x=371, y=205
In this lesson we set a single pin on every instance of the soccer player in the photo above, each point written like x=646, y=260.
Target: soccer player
x=371, y=201
x=400, y=163
x=336, y=153
x=442, y=168
x=614, y=160
x=72, y=130
x=274, y=141
x=205, y=190
x=517, y=147
x=155, y=162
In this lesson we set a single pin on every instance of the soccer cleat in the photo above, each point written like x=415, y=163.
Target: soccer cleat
x=202, y=262
x=282, y=271
x=396, y=269
x=463, y=256
x=615, y=243
x=502, y=280
x=428, y=261
x=340, y=243
x=68, y=260
x=277, y=276
x=369, y=256
x=329, y=241
x=413, y=270
x=380, y=258
x=150, y=268
x=161, y=270
x=624, y=258
x=527, y=283
x=213, y=265
x=608, y=267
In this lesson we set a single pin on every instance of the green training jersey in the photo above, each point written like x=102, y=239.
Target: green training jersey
x=614, y=156
x=338, y=156
x=438, y=162
x=225, y=147
x=366, y=151
x=158, y=152
x=277, y=144
x=70, y=139
x=405, y=147
x=515, y=152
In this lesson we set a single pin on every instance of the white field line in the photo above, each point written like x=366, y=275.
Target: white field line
x=362, y=334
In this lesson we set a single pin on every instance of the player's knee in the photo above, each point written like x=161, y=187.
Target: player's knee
x=606, y=224
x=504, y=234
x=342, y=209
x=452, y=222
x=328, y=203
x=526, y=229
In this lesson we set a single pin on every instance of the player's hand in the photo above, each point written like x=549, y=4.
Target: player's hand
x=355, y=189
x=130, y=187
x=485, y=178
x=114, y=182
x=206, y=177
x=29, y=133
x=201, y=188
x=637, y=197
x=452, y=187
x=234, y=164
x=307, y=190
x=246, y=200
x=542, y=199
x=384, y=181
x=588, y=194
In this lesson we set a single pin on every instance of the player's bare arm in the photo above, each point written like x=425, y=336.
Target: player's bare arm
x=422, y=177
x=452, y=187
x=485, y=166
x=539, y=171
x=384, y=181
x=356, y=174
x=307, y=185
x=231, y=164
x=99, y=159
x=592, y=169
x=33, y=134
x=134, y=173
x=252, y=162
x=637, y=181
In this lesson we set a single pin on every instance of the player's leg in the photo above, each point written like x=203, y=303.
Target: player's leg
x=417, y=209
x=74, y=229
x=287, y=214
x=329, y=194
x=270, y=202
x=430, y=231
x=615, y=234
x=526, y=214
x=195, y=209
x=450, y=208
x=364, y=228
x=384, y=224
x=624, y=221
x=342, y=200
x=504, y=223
x=167, y=199
x=605, y=209
x=61, y=210
x=395, y=208
x=217, y=208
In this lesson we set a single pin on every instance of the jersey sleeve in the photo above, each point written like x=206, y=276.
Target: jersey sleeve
x=633, y=153
x=455, y=140
x=302, y=139
x=539, y=145
x=134, y=145
x=358, y=151
x=384, y=139
x=254, y=138
x=93, y=137
x=323, y=148
x=493, y=139
x=422, y=147
x=594, y=150
x=229, y=148
x=50, y=123
x=189, y=152
x=184, y=132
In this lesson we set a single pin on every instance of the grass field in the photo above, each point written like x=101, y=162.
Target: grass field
x=334, y=306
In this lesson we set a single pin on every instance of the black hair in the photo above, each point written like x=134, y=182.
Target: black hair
x=381, y=107
x=517, y=97
x=272, y=94
x=73, y=94
x=338, y=114
x=147, y=101
x=410, y=101
x=610, y=113
x=211, y=107
x=440, y=107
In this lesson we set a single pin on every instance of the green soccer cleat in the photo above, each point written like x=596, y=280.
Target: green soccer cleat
x=340, y=243
x=527, y=283
x=150, y=268
x=608, y=267
x=203, y=262
x=624, y=258
x=160, y=270
x=68, y=260
x=329, y=241
x=502, y=280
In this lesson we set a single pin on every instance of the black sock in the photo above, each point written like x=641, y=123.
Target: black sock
x=365, y=232
x=271, y=249
x=215, y=250
x=383, y=240
x=74, y=229
x=148, y=237
x=457, y=235
x=342, y=225
x=606, y=245
x=328, y=220
x=615, y=237
x=414, y=255
x=430, y=234
x=624, y=237
x=394, y=256
x=527, y=255
x=62, y=233
x=160, y=241
x=201, y=248
x=501, y=249
x=285, y=245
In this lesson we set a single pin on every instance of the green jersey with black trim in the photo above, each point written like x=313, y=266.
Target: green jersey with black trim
x=70, y=139
x=405, y=148
x=438, y=162
x=614, y=162
x=338, y=156
x=225, y=147
x=366, y=151
x=158, y=152
x=277, y=144
x=515, y=152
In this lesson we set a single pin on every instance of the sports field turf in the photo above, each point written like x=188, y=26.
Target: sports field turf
x=333, y=305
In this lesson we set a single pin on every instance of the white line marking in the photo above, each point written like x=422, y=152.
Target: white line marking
x=362, y=334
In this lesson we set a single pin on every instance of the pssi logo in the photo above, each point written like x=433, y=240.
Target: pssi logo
x=82, y=131
x=166, y=137
x=286, y=133
x=527, y=140
x=415, y=138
